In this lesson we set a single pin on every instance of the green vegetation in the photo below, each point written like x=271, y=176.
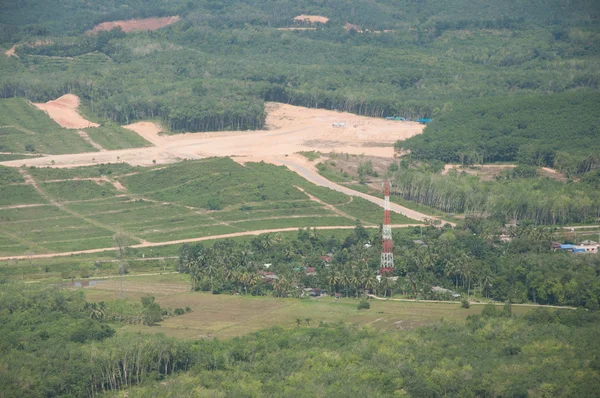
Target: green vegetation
x=191, y=199
x=70, y=348
x=214, y=69
x=541, y=200
x=112, y=137
x=559, y=130
x=27, y=129
x=470, y=260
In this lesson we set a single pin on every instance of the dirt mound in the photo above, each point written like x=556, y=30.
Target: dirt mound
x=134, y=25
x=311, y=18
x=63, y=111
x=148, y=130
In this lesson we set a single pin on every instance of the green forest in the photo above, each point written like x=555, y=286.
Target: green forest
x=214, y=69
x=558, y=130
x=57, y=343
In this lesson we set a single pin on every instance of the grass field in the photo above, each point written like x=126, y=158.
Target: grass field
x=24, y=128
x=82, y=208
x=228, y=316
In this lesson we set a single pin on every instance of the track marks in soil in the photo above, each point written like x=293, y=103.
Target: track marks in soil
x=29, y=179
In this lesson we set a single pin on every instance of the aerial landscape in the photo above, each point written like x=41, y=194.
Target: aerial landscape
x=243, y=198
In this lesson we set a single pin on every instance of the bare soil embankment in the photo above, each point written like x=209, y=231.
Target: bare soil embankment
x=63, y=111
x=133, y=25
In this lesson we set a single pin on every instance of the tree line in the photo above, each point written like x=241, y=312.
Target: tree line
x=471, y=261
x=520, y=197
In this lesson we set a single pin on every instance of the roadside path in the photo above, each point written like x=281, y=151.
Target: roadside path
x=314, y=177
x=471, y=302
x=192, y=240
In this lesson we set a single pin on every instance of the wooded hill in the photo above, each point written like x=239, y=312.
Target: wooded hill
x=214, y=69
x=557, y=130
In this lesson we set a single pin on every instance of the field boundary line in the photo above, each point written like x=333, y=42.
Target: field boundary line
x=471, y=302
x=200, y=239
x=31, y=180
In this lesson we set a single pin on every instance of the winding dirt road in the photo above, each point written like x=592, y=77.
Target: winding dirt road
x=191, y=240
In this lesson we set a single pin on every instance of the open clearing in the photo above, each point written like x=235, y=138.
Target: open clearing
x=134, y=25
x=311, y=18
x=63, y=111
x=291, y=129
x=226, y=315
x=79, y=210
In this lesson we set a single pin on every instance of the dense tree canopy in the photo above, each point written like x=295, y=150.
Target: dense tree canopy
x=214, y=69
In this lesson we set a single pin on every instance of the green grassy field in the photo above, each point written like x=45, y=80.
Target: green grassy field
x=159, y=204
x=24, y=128
x=228, y=316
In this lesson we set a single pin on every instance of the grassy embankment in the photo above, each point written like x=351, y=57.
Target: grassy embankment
x=27, y=131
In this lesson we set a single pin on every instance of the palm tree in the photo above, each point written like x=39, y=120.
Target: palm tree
x=333, y=279
x=298, y=322
x=307, y=320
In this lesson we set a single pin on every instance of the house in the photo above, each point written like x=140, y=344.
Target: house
x=587, y=248
x=314, y=292
x=439, y=289
x=327, y=258
x=311, y=271
x=268, y=276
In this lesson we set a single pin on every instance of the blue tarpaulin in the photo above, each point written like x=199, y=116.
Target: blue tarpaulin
x=424, y=120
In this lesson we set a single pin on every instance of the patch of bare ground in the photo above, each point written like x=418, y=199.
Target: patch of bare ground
x=148, y=130
x=290, y=129
x=63, y=111
x=489, y=172
x=12, y=52
x=133, y=25
x=311, y=18
x=87, y=139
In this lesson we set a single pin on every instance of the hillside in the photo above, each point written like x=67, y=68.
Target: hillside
x=557, y=130
x=214, y=68
x=64, y=210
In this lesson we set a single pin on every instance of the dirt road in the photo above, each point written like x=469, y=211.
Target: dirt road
x=191, y=240
x=290, y=129
x=307, y=171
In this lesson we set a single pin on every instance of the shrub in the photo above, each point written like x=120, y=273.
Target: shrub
x=188, y=309
x=465, y=304
x=179, y=311
x=364, y=305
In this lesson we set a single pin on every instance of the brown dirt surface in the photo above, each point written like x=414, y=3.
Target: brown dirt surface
x=311, y=18
x=133, y=25
x=290, y=129
x=63, y=111
x=148, y=130
x=87, y=138
x=11, y=52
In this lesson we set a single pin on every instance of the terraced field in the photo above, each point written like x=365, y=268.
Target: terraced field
x=63, y=210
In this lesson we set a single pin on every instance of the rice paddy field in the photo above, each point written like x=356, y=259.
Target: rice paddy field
x=224, y=315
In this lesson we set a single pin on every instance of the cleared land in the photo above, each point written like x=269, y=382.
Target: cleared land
x=26, y=131
x=134, y=25
x=291, y=129
x=81, y=209
x=63, y=111
x=228, y=316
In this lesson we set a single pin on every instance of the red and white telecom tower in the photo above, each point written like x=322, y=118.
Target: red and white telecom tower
x=387, y=255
